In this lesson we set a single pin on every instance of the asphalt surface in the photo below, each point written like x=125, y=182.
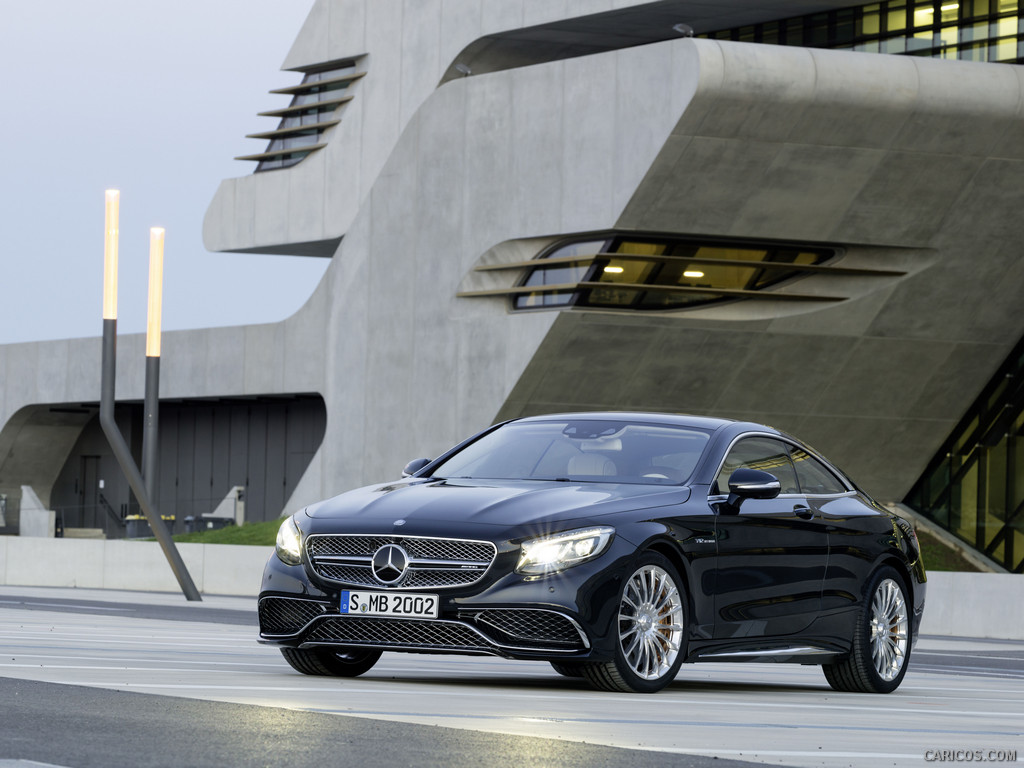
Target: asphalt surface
x=102, y=678
x=83, y=727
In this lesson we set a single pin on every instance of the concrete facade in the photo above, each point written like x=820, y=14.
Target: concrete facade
x=903, y=163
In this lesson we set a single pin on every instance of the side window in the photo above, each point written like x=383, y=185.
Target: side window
x=814, y=476
x=759, y=453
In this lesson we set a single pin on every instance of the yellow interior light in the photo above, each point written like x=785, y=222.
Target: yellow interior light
x=950, y=7
x=110, y=255
x=613, y=270
x=693, y=273
x=156, y=290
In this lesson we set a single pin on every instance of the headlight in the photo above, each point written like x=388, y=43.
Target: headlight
x=556, y=553
x=289, y=542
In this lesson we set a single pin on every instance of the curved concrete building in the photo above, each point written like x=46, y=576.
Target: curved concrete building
x=538, y=206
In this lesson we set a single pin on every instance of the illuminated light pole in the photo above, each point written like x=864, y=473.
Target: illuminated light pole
x=151, y=408
x=107, y=422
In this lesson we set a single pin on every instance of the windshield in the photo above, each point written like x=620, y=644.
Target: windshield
x=584, y=451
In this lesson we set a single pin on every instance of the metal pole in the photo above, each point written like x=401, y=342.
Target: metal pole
x=131, y=472
x=151, y=427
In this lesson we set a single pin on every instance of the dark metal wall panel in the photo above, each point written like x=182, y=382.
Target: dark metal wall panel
x=202, y=466
x=220, y=460
x=184, y=498
x=256, y=490
x=206, y=448
x=274, y=472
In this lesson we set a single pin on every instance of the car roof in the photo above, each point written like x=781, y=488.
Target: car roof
x=675, y=419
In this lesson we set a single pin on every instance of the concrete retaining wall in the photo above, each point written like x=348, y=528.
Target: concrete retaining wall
x=959, y=604
x=216, y=569
x=975, y=605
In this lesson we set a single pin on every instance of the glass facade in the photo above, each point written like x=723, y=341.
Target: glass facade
x=314, y=108
x=972, y=30
x=631, y=272
x=974, y=487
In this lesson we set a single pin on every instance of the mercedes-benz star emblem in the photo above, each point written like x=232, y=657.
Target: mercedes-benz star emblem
x=390, y=563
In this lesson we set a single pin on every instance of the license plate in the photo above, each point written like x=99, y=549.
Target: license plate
x=394, y=604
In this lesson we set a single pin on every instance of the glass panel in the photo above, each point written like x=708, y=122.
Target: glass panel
x=762, y=454
x=921, y=41
x=973, y=52
x=795, y=32
x=686, y=264
x=949, y=11
x=870, y=22
x=1007, y=6
x=947, y=36
x=770, y=33
x=1003, y=50
x=896, y=18
x=975, y=487
x=640, y=248
x=845, y=31
x=1004, y=27
x=894, y=45
x=924, y=14
x=626, y=271
x=582, y=451
x=612, y=297
x=582, y=248
x=542, y=300
x=562, y=275
x=814, y=476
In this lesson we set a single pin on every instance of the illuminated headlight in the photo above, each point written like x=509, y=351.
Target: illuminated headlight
x=556, y=553
x=289, y=542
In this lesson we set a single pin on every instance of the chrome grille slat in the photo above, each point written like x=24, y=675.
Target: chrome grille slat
x=435, y=563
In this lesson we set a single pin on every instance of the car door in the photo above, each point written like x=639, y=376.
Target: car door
x=853, y=526
x=772, y=553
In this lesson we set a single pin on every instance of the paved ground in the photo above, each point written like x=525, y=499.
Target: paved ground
x=960, y=694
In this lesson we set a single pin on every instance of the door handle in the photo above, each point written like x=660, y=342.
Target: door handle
x=804, y=513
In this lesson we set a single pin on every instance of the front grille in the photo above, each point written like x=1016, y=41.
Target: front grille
x=285, y=616
x=433, y=563
x=391, y=632
x=536, y=627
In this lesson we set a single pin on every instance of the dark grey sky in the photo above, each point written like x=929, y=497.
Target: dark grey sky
x=155, y=99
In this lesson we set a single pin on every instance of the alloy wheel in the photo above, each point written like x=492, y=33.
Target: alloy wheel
x=888, y=630
x=650, y=622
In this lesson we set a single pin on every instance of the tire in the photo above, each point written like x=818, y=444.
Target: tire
x=567, y=668
x=881, y=642
x=650, y=630
x=337, y=662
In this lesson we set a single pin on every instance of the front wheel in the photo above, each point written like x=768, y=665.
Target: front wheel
x=881, y=643
x=339, y=662
x=651, y=629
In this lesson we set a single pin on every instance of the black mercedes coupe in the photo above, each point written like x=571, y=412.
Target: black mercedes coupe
x=615, y=546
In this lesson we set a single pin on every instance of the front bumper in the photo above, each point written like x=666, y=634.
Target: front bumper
x=508, y=632
x=567, y=615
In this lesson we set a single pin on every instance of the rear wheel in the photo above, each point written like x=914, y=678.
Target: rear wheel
x=881, y=642
x=651, y=629
x=339, y=662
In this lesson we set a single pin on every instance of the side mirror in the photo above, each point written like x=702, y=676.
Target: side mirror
x=415, y=466
x=747, y=483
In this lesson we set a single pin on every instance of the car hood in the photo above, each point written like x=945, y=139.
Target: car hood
x=432, y=507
